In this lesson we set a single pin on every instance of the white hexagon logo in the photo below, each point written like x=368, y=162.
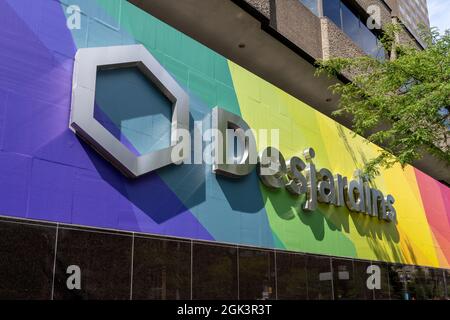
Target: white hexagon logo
x=83, y=123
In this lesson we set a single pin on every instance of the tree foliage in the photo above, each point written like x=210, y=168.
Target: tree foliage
x=401, y=103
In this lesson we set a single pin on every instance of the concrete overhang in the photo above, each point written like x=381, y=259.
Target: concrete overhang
x=243, y=35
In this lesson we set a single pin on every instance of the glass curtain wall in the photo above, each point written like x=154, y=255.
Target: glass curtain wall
x=353, y=26
x=117, y=265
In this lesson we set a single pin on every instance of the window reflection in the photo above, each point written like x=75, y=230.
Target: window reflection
x=352, y=280
x=383, y=291
x=416, y=283
x=424, y=283
x=354, y=27
x=214, y=273
x=436, y=283
x=104, y=260
x=366, y=279
x=291, y=276
x=320, y=278
x=256, y=274
x=311, y=5
x=343, y=282
x=447, y=283
x=165, y=268
x=397, y=283
x=332, y=10
x=417, y=288
x=161, y=269
x=350, y=23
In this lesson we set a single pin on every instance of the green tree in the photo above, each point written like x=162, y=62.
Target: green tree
x=401, y=103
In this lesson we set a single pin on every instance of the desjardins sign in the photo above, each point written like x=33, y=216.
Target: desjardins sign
x=231, y=144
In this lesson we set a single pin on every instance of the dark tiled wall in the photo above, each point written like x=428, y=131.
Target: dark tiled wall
x=26, y=266
x=35, y=258
x=104, y=260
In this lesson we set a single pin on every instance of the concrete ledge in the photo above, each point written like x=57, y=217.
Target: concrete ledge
x=299, y=25
x=335, y=43
x=263, y=6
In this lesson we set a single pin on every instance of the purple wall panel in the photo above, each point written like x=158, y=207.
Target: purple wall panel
x=51, y=196
x=46, y=172
x=15, y=172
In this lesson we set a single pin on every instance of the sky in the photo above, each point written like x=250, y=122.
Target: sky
x=439, y=11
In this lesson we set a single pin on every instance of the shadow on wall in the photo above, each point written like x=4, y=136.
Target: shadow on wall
x=150, y=193
x=373, y=231
x=249, y=200
x=329, y=217
x=144, y=126
x=288, y=207
x=173, y=190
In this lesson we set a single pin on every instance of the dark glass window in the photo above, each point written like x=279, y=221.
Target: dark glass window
x=350, y=280
x=343, y=279
x=214, y=272
x=415, y=279
x=417, y=283
x=370, y=43
x=332, y=10
x=383, y=292
x=320, y=278
x=256, y=274
x=291, y=276
x=104, y=261
x=436, y=282
x=447, y=283
x=354, y=27
x=363, y=274
x=397, y=282
x=425, y=283
x=161, y=269
x=351, y=24
x=26, y=265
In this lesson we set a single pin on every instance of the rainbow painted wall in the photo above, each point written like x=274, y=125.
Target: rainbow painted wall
x=47, y=173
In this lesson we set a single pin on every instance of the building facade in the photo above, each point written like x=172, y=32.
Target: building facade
x=414, y=15
x=74, y=226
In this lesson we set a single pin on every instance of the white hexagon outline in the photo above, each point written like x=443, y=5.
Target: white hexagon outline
x=83, y=123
